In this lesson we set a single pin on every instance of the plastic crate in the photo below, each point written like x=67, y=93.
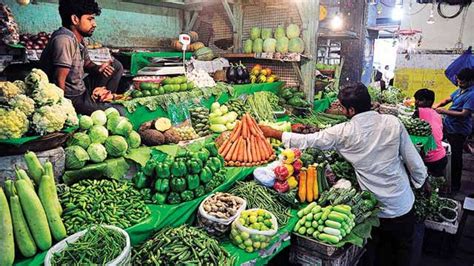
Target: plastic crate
x=312, y=245
x=450, y=228
x=348, y=255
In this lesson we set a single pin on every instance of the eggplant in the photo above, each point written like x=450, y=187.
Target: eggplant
x=240, y=72
x=231, y=74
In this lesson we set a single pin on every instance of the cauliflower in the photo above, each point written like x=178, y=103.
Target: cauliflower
x=21, y=85
x=48, y=119
x=23, y=103
x=14, y=124
x=35, y=77
x=8, y=90
x=68, y=109
x=47, y=93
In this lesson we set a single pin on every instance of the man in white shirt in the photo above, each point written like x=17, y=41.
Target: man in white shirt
x=379, y=148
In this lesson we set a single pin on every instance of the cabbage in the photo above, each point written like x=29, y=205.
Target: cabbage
x=280, y=32
x=269, y=45
x=282, y=45
x=97, y=152
x=85, y=122
x=76, y=157
x=123, y=128
x=258, y=46
x=134, y=140
x=99, y=117
x=79, y=139
x=296, y=45
x=224, y=109
x=292, y=31
x=218, y=128
x=248, y=46
x=112, y=121
x=254, y=33
x=215, y=106
x=267, y=33
x=232, y=116
x=98, y=134
x=110, y=111
x=222, y=120
x=116, y=146
x=231, y=126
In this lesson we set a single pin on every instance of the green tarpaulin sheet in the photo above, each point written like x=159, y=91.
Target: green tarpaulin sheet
x=142, y=114
x=21, y=141
x=428, y=142
x=323, y=104
x=140, y=60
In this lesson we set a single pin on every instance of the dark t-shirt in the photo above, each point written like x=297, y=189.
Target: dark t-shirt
x=64, y=50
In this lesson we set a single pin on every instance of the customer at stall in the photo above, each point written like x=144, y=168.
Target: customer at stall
x=458, y=121
x=379, y=148
x=436, y=159
x=65, y=59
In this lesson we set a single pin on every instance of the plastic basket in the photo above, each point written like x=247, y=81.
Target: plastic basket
x=122, y=259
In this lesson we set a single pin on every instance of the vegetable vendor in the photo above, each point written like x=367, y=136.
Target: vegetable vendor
x=458, y=121
x=435, y=160
x=66, y=59
x=379, y=148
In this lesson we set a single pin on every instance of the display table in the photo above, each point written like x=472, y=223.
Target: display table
x=142, y=114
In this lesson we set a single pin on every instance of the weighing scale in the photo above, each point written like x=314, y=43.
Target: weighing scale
x=168, y=66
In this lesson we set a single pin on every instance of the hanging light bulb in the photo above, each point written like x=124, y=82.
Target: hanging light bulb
x=337, y=22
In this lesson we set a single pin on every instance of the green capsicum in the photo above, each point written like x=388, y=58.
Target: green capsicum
x=162, y=185
x=194, y=166
x=193, y=181
x=187, y=195
x=199, y=191
x=160, y=198
x=203, y=155
x=206, y=175
x=212, y=148
x=214, y=164
x=210, y=186
x=140, y=180
x=181, y=153
x=149, y=168
x=162, y=170
x=174, y=198
x=178, y=184
x=178, y=169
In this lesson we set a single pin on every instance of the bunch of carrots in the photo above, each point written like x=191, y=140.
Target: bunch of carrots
x=309, y=183
x=246, y=146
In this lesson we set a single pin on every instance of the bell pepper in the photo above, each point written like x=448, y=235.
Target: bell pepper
x=203, y=155
x=178, y=184
x=149, y=168
x=193, y=181
x=162, y=185
x=212, y=148
x=187, y=195
x=297, y=153
x=194, y=166
x=178, y=169
x=199, y=191
x=140, y=180
x=281, y=187
x=281, y=172
x=162, y=170
x=209, y=187
x=206, y=175
x=292, y=182
x=181, y=153
x=288, y=156
x=174, y=198
x=291, y=169
x=297, y=165
x=307, y=159
x=160, y=198
x=214, y=164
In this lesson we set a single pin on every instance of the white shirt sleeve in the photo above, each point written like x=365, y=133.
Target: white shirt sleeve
x=412, y=159
x=324, y=140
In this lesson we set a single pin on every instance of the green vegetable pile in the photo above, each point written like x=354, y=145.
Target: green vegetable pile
x=320, y=120
x=101, y=202
x=260, y=106
x=168, y=85
x=416, y=126
x=392, y=95
x=200, y=120
x=236, y=105
x=183, y=245
x=187, y=176
x=260, y=197
x=99, y=245
x=293, y=97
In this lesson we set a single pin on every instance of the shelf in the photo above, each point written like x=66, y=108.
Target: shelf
x=342, y=35
x=291, y=57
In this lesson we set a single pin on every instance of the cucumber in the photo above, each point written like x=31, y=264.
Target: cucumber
x=310, y=231
x=34, y=214
x=341, y=209
x=333, y=224
x=328, y=238
x=331, y=231
x=302, y=230
x=316, y=209
x=337, y=217
x=7, y=244
x=317, y=216
x=49, y=201
x=309, y=207
x=309, y=217
x=300, y=213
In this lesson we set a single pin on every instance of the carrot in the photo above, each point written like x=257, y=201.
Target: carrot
x=241, y=154
x=228, y=156
x=224, y=146
x=246, y=155
x=236, y=132
x=235, y=155
x=268, y=146
x=262, y=149
x=259, y=131
x=310, y=184
x=227, y=148
x=249, y=151
x=251, y=126
x=244, y=127
x=257, y=150
x=302, y=185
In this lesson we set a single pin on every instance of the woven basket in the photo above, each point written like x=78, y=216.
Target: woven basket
x=44, y=143
x=388, y=109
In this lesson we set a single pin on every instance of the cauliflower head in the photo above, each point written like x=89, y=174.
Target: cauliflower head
x=35, y=77
x=47, y=93
x=21, y=85
x=8, y=90
x=23, y=103
x=68, y=109
x=14, y=124
x=48, y=119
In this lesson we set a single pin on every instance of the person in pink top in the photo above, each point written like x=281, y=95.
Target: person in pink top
x=435, y=160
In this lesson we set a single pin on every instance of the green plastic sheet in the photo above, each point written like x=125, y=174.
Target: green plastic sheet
x=21, y=141
x=142, y=114
x=323, y=104
x=428, y=142
x=140, y=60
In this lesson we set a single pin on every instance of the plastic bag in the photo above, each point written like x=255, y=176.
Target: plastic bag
x=178, y=113
x=252, y=239
x=265, y=175
x=466, y=60
x=217, y=226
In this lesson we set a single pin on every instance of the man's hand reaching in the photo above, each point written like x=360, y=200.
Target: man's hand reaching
x=102, y=94
x=269, y=132
x=106, y=69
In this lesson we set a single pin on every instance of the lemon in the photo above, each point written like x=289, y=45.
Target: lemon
x=248, y=243
x=244, y=235
x=249, y=249
x=234, y=232
x=256, y=245
x=241, y=221
x=238, y=240
x=268, y=223
x=253, y=219
x=260, y=219
x=261, y=212
x=268, y=215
